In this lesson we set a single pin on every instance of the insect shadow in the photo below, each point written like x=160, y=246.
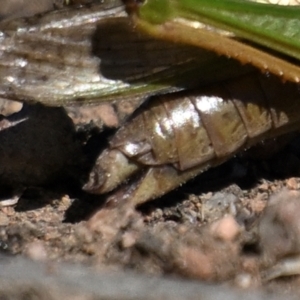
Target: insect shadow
x=134, y=57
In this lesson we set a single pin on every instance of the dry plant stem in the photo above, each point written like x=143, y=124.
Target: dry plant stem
x=223, y=45
x=286, y=267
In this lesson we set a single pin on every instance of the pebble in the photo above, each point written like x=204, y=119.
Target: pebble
x=226, y=229
x=279, y=233
x=36, y=251
x=292, y=183
x=4, y=220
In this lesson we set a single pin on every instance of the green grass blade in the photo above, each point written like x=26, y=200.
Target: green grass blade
x=273, y=26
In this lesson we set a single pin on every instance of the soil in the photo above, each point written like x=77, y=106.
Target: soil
x=215, y=229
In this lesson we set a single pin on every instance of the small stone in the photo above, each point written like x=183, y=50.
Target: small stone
x=279, y=227
x=227, y=229
x=243, y=281
x=36, y=251
x=264, y=186
x=4, y=220
x=8, y=210
x=292, y=183
x=128, y=240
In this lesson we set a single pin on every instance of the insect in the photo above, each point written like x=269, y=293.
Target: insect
x=63, y=58
x=181, y=135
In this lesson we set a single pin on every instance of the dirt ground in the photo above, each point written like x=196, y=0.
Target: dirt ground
x=215, y=229
x=231, y=233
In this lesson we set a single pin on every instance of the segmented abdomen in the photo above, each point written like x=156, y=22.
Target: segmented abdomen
x=191, y=129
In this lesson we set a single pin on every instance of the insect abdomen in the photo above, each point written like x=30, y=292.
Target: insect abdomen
x=189, y=129
x=180, y=135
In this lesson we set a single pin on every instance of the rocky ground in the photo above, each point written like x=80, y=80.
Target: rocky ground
x=241, y=231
